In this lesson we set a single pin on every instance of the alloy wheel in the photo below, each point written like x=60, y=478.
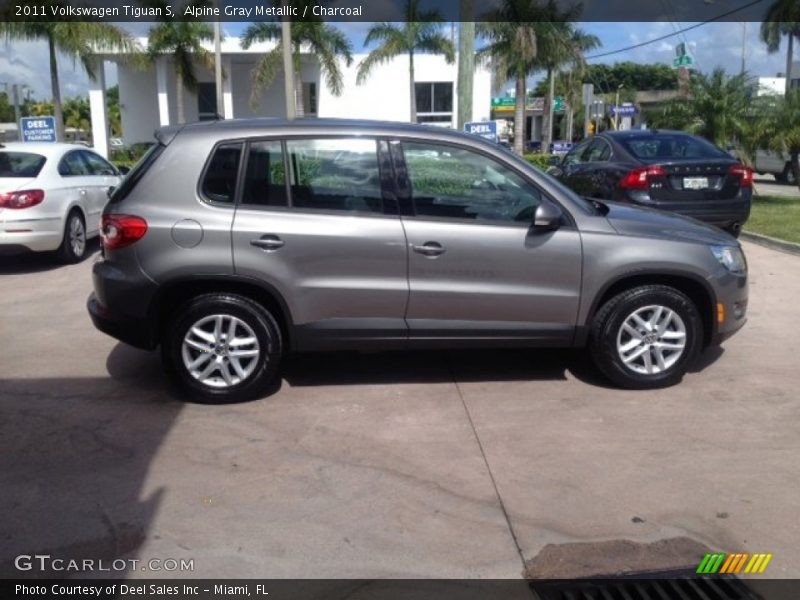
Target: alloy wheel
x=651, y=339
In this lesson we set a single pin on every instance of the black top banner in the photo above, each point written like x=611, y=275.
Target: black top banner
x=383, y=10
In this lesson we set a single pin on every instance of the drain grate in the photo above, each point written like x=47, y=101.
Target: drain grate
x=646, y=586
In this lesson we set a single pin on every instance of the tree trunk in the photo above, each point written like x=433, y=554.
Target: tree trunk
x=789, y=57
x=547, y=113
x=519, y=115
x=466, y=63
x=300, y=106
x=413, y=87
x=56, y=91
x=179, y=96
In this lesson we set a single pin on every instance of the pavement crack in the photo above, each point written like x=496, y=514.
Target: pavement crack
x=486, y=462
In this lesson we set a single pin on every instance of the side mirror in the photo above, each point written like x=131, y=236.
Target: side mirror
x=555, y=171
x=547, y=217
x=554, y=160
x=110, y=191
x=124, y=170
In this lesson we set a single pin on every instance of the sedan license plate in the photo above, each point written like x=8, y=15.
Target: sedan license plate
x=695, y=183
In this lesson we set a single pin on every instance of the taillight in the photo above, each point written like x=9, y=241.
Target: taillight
x=744, y=173
x=21, y=199
x=119, y=231
x=639, y=179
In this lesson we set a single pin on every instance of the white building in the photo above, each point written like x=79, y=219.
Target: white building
x=148, y=96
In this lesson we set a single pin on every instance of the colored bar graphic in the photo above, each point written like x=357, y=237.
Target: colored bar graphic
x=722, y=563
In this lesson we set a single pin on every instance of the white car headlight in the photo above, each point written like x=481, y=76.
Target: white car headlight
x=731, y=257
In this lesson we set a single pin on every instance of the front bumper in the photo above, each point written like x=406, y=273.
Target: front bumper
x=731, y=310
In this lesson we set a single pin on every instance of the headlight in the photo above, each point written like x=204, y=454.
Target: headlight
x=731, y=257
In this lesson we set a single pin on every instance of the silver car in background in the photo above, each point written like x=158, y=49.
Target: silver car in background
x=233, y=243
x=51, y=197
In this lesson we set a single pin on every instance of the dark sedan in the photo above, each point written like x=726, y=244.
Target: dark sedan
x=668, y=170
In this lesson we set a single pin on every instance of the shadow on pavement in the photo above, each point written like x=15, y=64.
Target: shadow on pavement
x=39, y=262
x=75, y=458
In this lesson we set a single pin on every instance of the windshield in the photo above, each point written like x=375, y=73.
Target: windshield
x=20, y=164
x=670, y=147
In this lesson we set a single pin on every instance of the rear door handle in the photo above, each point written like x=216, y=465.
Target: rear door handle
x=429, y=249
x=268, y=242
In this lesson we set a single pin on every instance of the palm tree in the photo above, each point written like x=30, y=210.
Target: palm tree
x=782, y=18
x=717, y=108
x=563, y=46
x=419, y=33
x=518, y=31
x=784, y=129
x=183, y=40
x=80, y=41
x=328, y=44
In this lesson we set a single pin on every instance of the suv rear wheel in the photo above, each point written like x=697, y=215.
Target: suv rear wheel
x=222, y=348
x=646, y=337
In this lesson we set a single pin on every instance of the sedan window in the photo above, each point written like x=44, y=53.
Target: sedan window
x=73, y=164
x=20, y=164
x=97, y=165
x=671, y=146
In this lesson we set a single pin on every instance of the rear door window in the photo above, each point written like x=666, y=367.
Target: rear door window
x=73, y=165
x=265, y=178
x=219, y=179
x=20, y=164
x=97, y=165
x=335, y=175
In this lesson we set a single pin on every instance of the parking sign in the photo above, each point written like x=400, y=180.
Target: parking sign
x=38, y=129
x=485, y=129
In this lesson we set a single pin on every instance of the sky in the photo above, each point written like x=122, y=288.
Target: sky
x=712, y=44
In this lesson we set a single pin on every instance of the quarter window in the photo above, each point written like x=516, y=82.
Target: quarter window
x=335, y=174
x=461, y=184
x=219, y=181
x=97, y=166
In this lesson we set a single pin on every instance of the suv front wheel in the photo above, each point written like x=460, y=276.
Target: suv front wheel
x=646, y=337
x=222, y=348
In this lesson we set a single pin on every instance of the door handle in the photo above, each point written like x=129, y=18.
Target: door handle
x=430, y=249
x=268, y=242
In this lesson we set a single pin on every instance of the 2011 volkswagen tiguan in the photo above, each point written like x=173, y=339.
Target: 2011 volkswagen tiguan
x=234, y=243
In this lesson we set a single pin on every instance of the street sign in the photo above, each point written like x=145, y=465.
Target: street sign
x=682, y=61
x=559, y=104
x=484, y=129
x=625, y=110
x=499, y=101
x=38, y=129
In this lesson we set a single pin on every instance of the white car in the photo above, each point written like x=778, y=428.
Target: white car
x=51, y=197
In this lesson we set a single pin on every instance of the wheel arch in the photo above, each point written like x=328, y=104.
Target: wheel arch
x=174, y=294
x=697, y=289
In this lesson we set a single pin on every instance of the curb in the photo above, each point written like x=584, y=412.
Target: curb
x=771, y=242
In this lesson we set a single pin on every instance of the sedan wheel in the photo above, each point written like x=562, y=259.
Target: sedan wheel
x=73, y=245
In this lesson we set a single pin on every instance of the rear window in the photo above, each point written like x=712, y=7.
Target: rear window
x=136, y=173
x=20, y=164
x=666, y=147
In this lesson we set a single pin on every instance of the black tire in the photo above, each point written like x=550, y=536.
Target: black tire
x=609, y=320
x=787, y=176
x=734, y=231
x=67, y=252
x=265, y=370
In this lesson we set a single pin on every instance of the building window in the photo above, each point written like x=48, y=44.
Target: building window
x=435, y=102
x=206, y=101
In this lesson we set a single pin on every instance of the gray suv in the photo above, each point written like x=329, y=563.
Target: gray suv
x=234, y=243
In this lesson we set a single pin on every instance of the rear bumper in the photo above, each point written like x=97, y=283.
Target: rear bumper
x=13, y=235
x=126, y=329
x=120, y=304
x=722, y=213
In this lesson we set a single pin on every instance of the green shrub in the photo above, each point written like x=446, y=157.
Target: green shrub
x=539, y=159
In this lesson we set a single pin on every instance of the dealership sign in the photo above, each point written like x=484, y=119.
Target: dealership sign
x=626, y=110
x=38, y=129
x=484, y=129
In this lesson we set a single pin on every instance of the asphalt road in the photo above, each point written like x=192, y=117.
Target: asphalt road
x=438, y=464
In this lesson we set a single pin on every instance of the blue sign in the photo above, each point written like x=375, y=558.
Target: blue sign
x=38, y=129
x=560, y=147
x=626, y=110
x=485, y=129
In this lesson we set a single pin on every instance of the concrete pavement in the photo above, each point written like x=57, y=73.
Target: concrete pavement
x=436, y=464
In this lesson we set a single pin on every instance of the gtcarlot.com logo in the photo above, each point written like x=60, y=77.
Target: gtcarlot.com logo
x=47, y=562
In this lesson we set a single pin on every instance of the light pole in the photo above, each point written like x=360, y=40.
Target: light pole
x=288, y=68
x=218, y=67
x=616, y=109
